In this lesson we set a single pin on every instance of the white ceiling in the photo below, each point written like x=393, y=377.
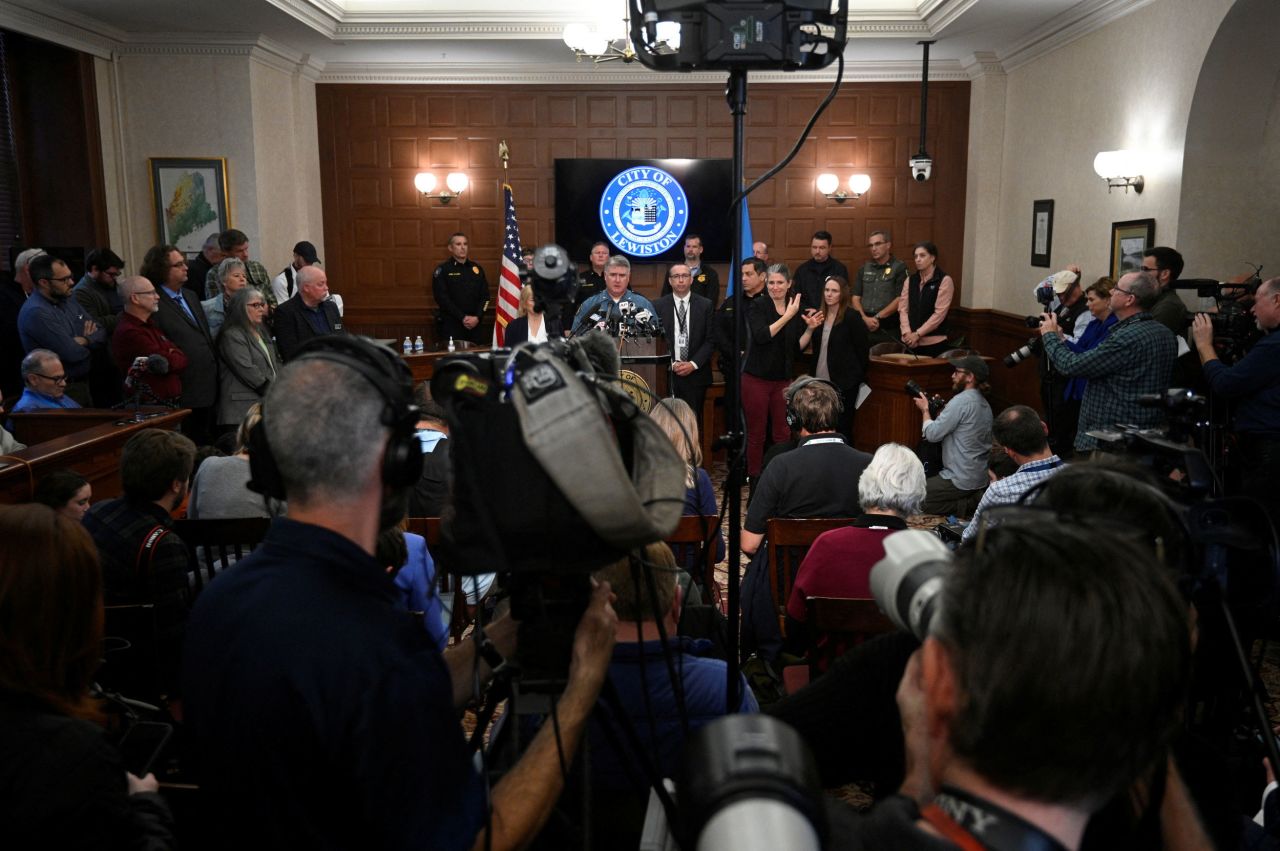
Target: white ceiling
x=506, y=41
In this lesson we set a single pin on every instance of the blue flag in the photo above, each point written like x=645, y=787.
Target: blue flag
x=745, y=250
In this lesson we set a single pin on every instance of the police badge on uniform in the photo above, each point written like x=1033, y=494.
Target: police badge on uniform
x=475, y=270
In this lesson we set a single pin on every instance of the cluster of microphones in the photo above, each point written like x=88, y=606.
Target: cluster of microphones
x=624, y=320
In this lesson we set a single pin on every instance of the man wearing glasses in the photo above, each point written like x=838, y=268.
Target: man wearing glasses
x=51, y=319
x=877, y=288
x=687, y=318
x=1135, y=359
x=46, y=383
x=138, y=337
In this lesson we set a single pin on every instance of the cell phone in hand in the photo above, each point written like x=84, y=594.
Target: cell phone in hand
x=142, y=743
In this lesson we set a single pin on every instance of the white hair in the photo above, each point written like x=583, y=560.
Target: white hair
x=894, y=481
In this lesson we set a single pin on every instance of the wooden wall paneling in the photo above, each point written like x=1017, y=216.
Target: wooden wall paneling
x=371, y=134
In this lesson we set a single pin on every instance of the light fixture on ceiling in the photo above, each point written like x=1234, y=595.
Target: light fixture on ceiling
x=605, y=42
x=829, y=185
x=1119, y=168
x=425, y=182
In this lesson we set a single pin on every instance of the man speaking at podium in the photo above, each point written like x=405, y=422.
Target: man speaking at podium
x=687, y=318
x=607, y=307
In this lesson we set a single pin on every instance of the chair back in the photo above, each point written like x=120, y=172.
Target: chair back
x=788, y=540
x=838, y=623
x=694, y=545
x=215, y=545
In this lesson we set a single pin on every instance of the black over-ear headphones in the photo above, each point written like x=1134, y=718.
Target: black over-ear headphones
x=793, y=418
x=381, y=367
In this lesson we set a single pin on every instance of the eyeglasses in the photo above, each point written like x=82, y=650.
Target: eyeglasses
x=1155, y=270
x=151, y=291
x=56, y=379
x=65, y=279
x=256, y=304
x=1119, y=289
x=679, y=275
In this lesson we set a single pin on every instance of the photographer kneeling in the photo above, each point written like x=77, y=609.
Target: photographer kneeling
x=1255, y=383
x=321, y=714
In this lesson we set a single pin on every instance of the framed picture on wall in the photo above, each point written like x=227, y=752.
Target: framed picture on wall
x=190, y=201
x=1041, y=232
x=1128, y=241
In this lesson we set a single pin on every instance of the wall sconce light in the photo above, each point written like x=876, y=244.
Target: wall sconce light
x=829, y=185
x=1119, y=168
x=425, y=181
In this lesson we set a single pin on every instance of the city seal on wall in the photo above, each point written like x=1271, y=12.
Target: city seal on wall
x=644, y=211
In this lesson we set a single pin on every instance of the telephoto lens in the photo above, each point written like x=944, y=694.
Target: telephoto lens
x=907, y=581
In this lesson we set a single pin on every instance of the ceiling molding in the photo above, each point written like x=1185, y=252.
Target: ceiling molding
x=455, y=31
x=518, y=73
x=982, y=63
x=66, y=28
x=1076, y=22
x=942, y=15
x=320, y=15
x=261, y=49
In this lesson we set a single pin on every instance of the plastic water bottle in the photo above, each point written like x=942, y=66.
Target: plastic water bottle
x=417, y=345
x=408, y=346
x=452, y=347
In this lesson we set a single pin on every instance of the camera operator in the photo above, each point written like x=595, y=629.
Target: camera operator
x=1255, y=383
x=1135, y=359
x=1065, y=299
x=320, y=714
x=964, y=430
x=1103, y=617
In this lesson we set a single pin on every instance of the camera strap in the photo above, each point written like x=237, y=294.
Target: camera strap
x=976, y=825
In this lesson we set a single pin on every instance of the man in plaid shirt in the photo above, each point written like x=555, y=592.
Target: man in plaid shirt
x=1135, y=359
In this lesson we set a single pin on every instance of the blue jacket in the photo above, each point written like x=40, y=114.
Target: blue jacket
x=1255, y=381
x=418, y=581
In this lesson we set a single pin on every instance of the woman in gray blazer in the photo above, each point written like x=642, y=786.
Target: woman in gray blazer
x=249, y=357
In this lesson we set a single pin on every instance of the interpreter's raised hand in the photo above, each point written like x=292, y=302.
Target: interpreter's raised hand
x=793, y=306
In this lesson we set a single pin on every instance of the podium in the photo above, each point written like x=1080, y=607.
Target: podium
x=646, y=369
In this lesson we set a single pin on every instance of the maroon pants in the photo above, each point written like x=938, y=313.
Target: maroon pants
x=762, y=400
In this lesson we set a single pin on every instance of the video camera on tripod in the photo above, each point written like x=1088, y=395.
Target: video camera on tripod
x=1234, y=329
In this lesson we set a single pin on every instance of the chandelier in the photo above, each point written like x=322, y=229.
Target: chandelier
x=605, y=42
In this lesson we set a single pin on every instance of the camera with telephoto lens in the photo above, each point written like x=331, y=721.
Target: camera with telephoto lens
x=1033, y=347
x=907, y=581
x=936, y=405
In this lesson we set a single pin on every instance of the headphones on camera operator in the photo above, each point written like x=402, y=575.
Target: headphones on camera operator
x=390, y=376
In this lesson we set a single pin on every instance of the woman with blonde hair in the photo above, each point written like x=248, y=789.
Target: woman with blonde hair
x=677, y=420
x=530, y=325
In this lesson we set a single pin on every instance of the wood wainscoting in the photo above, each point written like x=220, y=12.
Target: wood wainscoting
x=995, y=333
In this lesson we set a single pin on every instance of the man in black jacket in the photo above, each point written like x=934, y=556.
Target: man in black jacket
x=308, y=314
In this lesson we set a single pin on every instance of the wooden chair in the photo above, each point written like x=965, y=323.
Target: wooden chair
x=844, y=623
x=888, y=347
x=789, y=541
x=695, y=530
x=215, y=545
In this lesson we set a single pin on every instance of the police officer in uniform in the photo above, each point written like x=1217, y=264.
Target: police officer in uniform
x=878, y=287
x=461, y=292
x=590, y=282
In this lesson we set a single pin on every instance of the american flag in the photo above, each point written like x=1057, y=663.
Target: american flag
x=509, y=277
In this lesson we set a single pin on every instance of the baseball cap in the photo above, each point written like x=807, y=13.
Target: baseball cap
x=1061, y=281
x=974, y=364
x=307, y=252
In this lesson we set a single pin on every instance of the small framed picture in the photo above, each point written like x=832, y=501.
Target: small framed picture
x=1041, y=232
x=190, y=201
x=1128, y=241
